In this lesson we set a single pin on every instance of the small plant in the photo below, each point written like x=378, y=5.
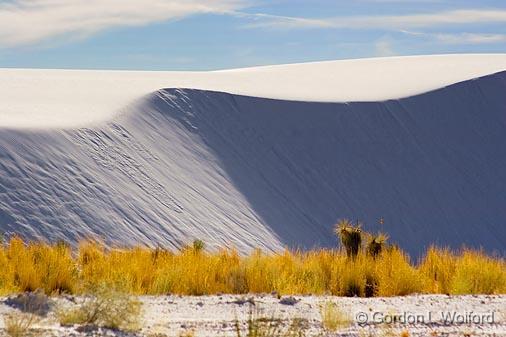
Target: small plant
x=351, y=237
x=70, y=317
x=259, y=325
x=405, y=333
x=334, y=319
x=20, y=324
x=31, y=306
x=105, y=307
x=198, y=245
x=187, y=333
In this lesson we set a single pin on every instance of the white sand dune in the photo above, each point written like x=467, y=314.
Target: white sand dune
x=73, y=98
x=178, y=164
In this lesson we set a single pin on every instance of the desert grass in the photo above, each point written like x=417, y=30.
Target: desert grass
x=105, y=307
x=261, y=325
x=20, y=324
x=334, y=318
x=476, y=272
x=438, y=268
x=57, y=268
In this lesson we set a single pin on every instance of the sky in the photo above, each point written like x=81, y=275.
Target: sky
x=220, y=34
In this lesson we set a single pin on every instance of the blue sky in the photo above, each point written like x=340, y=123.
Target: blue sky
x=218, y=34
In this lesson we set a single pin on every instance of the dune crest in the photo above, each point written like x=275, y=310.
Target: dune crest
x=76, y=98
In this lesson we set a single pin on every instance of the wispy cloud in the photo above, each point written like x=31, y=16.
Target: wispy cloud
x=402, y=1
x=262, y=20
x=30, y=21
x=471, y=38
x=384, y=47
x=461, y=38
x=407, y=21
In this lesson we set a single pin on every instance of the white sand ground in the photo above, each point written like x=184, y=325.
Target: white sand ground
x=73, y=98
x=216, y=315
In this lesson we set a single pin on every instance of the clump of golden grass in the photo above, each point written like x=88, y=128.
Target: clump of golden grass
x=395, y=274
x=37, y=266
x=56, y=268
x=438, y=268
x=333, y=318
x=476, y=272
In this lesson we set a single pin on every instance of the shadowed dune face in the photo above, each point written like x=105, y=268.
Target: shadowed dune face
x=254, y=172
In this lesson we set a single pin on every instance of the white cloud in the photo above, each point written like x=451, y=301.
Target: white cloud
x=445, y=18
x=383, y=47
x=402, y=1
x=470, y=38
x=461, y=38
x=31, y=21
x=25, y=22
x=261, y=20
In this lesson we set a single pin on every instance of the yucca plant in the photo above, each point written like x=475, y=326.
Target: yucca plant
x=375, y=244
x=351, y=236
x=198, y=245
